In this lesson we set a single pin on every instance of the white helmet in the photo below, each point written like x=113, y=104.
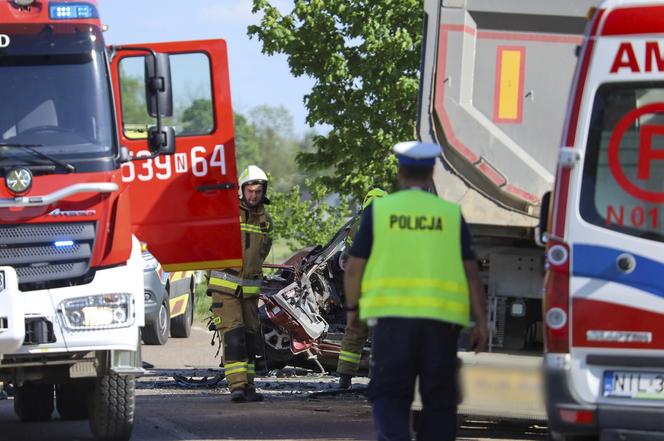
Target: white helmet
x=254, y=175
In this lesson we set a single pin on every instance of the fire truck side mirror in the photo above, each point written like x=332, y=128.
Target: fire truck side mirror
x=161, y=142
x=158, y=90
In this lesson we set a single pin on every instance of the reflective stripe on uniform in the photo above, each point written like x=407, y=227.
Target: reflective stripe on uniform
x=226, y=276
x=400, y=282
x=250, y=228
x=350, y=357
x=251, y=368
x=251, y=290
x=431, y=302
x=235, y=368
x=223, y=283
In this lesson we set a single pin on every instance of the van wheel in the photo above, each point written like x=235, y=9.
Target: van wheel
x=157, y=333
x=112, y=407
x=33, y=402
x=181, y=325
x=72, y=399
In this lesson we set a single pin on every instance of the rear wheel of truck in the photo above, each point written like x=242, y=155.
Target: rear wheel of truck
x=157, y=333
x=112, y=407
x=33, y=402
x=181, y=325
x=72, y=399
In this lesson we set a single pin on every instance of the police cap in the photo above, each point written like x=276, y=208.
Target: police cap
x=417, y=154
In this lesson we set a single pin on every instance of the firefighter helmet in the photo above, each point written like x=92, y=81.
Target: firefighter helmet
x=371, y=195
x=254, y=175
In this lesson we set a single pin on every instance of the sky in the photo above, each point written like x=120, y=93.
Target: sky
x=256, y=78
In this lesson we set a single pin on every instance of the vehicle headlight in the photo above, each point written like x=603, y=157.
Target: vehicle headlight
x=103, y=311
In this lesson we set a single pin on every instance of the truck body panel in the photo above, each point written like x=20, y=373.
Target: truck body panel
x=495, y=78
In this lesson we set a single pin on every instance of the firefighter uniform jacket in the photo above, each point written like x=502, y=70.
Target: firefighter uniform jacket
x=256, y=230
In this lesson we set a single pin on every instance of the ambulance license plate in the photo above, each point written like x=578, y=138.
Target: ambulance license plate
x=639, y=385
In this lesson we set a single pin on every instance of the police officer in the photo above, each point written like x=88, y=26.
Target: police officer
x=235, y=292
x=413, y=265
x=353, y=341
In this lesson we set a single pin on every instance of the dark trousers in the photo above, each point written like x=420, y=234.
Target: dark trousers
x=403, y=349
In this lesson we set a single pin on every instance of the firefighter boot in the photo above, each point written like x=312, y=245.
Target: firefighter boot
x=238, y=396
x=252, y=395
x=345, y=381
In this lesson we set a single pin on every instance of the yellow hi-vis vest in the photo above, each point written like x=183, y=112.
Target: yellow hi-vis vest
x=415, y=269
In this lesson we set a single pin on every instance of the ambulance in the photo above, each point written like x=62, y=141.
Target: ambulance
x=604, y=287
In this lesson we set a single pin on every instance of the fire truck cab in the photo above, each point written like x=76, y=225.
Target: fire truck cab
x=604, y=295
x=79, y=190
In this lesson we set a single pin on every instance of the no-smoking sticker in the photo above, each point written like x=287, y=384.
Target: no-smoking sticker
x=647, y=153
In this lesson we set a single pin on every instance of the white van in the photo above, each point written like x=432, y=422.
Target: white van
x=604, y=288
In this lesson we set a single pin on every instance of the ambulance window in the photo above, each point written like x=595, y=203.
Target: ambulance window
x=623, y=184
x=193, y=112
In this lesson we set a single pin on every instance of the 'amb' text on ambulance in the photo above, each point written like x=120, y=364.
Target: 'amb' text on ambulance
x=604, y=288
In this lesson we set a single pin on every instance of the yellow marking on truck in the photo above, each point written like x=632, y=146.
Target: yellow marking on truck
x=509, y=85
x=211, y=264
x=178, y=305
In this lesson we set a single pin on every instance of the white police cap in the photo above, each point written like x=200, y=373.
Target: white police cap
x=416, y=153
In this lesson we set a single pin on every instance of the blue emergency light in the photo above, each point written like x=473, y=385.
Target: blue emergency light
x=72, y=11
x=64, y=243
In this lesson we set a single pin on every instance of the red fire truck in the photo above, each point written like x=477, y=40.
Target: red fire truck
x=79, y=191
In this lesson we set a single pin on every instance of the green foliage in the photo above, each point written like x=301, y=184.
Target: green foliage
x=203, y=303
x=364, y=58
x=277, y=145
x=311, y=221
x=246, y=143
x=301, y=209
x=134, y=107
x=197, y=118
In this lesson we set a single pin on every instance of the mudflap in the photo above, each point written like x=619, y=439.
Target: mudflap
x=12, y=315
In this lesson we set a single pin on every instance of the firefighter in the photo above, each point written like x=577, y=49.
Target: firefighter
x=353, y=342
x=235, y=292
x=412, y=273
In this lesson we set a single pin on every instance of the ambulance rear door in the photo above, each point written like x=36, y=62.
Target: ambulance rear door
x=615, y=228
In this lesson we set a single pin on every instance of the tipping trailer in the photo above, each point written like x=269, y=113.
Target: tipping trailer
x=495, y=82
x=80, y=189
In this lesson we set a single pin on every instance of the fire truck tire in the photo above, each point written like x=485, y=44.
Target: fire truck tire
x=181, y=325
x=72, y=399
x=157, y=333
x=33, y=402
x=112, y=408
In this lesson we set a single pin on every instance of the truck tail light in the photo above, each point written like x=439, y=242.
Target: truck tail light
x=556, y=297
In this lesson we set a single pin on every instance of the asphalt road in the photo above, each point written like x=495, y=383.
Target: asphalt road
x=299, y=406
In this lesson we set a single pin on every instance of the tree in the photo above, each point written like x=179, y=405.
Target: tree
x=307, y=221
x=134, y=108
x=197, y=118
x=364, y=58
x=246, y=143
x=277, y=144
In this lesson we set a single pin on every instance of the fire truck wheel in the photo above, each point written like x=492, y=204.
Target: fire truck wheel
x=181, y=325
x=156, y=333
x=34, y=402
x=112, y=409
x=72, y=399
